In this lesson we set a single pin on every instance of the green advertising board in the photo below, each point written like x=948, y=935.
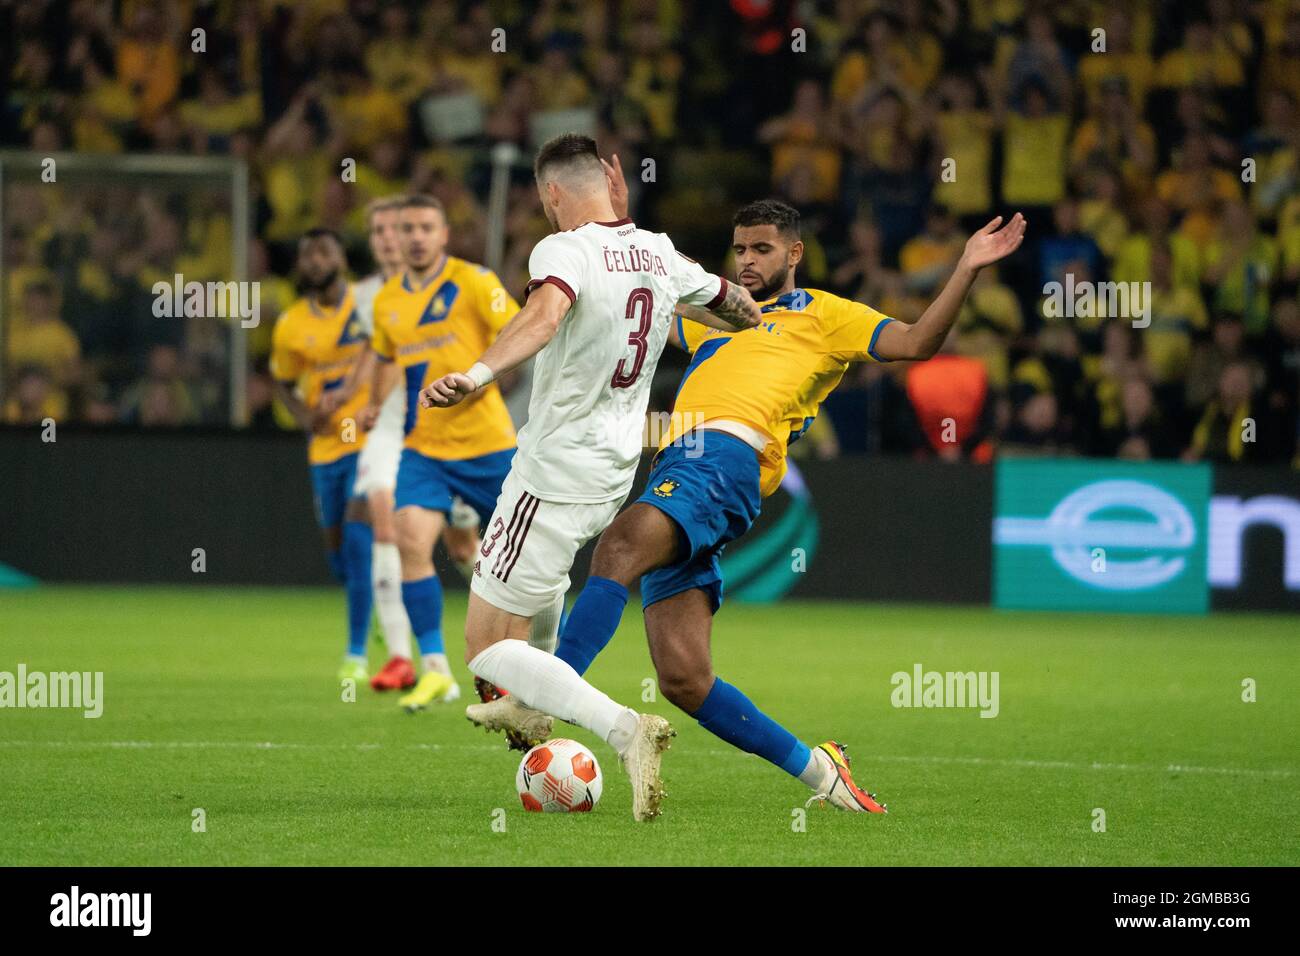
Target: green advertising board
x=1094, y=535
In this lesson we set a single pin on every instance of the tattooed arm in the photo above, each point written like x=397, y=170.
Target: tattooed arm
x=735, y=312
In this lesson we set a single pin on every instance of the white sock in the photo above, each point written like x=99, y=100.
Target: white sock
x=386, y=575
x=548, y=684
x=816, y=774
x=436, y=662
x=545, y=631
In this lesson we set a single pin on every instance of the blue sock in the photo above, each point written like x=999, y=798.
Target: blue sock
x=358, y=543
x=729, y=714
x=592, y=622
x=423, y=600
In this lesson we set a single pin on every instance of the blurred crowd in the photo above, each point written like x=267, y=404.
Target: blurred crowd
x=1149, y=143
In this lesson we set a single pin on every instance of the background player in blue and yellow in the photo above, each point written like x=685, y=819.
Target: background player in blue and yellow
x=316, y=343
x=437, y=316
x=743, y=399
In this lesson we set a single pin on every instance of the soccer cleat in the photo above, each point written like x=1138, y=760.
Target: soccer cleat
x=397, y=674
x=641, y=761
x=433, y=686
x=843, y=792
x=524, y=727
x=488, y=692
x=353, y=670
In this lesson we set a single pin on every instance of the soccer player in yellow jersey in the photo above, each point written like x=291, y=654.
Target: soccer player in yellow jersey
x=316, y=343
x=745, y=396
x=436, y=315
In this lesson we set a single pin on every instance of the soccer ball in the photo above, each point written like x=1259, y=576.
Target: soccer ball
x=559, y=776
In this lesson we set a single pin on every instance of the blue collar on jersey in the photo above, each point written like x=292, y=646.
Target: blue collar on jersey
x=433, y=276
x=797, y=300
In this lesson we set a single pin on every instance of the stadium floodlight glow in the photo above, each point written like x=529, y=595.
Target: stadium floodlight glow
x=1071, y=532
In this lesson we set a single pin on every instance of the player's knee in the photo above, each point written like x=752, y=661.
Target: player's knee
x=685, y=689
x=617, y=554
x=415, y=552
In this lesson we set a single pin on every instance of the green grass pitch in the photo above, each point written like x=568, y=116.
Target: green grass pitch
x=225, y=700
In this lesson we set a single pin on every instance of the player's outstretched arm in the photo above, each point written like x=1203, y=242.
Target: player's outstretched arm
x=922, y=339
x=736, y=311
x=523, y=337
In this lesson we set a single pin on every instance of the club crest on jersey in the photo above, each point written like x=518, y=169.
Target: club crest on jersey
x=351, y=330
x=440, y=304
x=666, y=488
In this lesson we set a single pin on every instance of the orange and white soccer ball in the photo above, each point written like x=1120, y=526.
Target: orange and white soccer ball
x=559, y=776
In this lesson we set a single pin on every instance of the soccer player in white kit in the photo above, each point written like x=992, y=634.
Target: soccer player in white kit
x=377, y=467
x=601, y=297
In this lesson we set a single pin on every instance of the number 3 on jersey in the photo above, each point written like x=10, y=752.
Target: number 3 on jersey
x=640, y=307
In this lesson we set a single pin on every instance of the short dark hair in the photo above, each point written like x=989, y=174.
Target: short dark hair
x=323, y=232
x=563, y=150
x=423, y=201
x=769, y=212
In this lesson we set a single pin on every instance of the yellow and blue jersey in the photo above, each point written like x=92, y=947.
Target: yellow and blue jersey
x=774, y=377
x=444, y=326
x=313, y=349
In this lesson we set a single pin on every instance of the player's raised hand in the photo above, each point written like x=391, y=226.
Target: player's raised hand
x=447, y=391
x=617, y=185
x=995, y=241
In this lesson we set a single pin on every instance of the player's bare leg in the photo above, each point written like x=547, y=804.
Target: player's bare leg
x=524, y=726
x=417, y=533
x=541, y=684
x=678, y=629
x=462, y=540
x=398, y=673
x=462, y=543
x=640, y=539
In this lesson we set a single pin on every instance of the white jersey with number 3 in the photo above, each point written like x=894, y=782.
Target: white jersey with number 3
x=591, y=383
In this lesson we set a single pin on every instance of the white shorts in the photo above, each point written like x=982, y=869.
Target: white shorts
x=529, y=545
x=377, y=466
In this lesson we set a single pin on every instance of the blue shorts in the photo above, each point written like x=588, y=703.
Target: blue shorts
x=431, y=482
x=712, y=494
x=332, y=484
